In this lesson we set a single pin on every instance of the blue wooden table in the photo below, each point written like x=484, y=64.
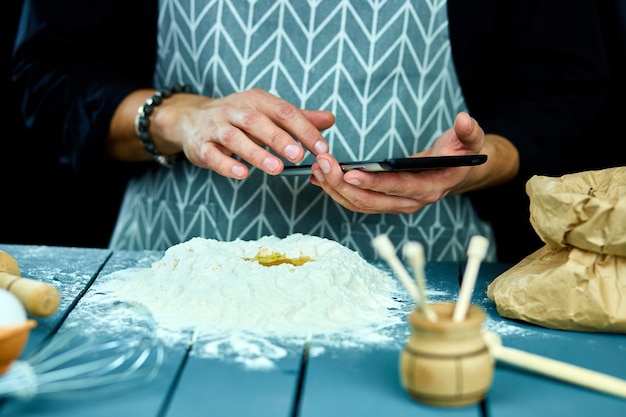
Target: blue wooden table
x=339, y=382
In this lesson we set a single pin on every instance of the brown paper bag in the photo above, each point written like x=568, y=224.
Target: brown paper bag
x=578, y=280
x=585, y=210
x=566, y=288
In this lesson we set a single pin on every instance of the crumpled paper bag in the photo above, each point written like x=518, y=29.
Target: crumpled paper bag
x=585, y=210
x=578, y=280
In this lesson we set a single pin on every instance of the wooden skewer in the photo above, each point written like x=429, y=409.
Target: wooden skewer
x=387, y=252
x=553, y=368
x=476, y=252
x=414, y=253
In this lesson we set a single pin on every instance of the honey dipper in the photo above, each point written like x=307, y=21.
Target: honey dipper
x=39, y=298
x=552, y=368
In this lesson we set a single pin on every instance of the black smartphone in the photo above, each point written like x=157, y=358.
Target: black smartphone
x=398, y=164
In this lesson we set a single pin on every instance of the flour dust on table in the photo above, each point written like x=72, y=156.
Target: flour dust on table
x=255, y=301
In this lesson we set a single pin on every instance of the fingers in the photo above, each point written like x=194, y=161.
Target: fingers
x=255, y=126
x=403, y=192
x=321, y=119
x=219, y=160
x=212, y=145
x=369, y=193
x=275, y=123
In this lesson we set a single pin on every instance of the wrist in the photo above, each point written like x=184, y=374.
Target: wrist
x=144, y=119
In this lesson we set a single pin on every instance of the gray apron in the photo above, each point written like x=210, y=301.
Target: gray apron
x=384, y=68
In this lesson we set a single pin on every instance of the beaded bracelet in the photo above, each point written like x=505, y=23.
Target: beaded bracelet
x=142, y=121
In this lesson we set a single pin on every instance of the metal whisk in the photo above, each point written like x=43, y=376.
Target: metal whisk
x=70, y=368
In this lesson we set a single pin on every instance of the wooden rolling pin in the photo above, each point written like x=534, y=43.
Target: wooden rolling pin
x=39, y=298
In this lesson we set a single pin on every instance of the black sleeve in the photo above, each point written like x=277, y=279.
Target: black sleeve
x=534, y=72
x=73, y=62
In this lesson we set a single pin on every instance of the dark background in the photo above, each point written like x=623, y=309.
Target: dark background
x=43, y=202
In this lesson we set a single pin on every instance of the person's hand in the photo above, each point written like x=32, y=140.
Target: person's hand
x=407, y=192
x=253, y=125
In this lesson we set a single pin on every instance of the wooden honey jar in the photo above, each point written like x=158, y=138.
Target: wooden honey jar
x=446, y=363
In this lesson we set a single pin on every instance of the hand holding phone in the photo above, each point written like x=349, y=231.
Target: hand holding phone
x=398, y=164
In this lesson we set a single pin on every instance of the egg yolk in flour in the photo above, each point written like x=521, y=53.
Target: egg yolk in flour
x=268, y=257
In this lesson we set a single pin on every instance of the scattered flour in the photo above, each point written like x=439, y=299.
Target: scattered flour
x=222, y=299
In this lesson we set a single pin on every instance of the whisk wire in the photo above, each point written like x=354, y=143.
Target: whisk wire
x=52, y=356
x=126, y=377
x=97, y=367
x=109, y=366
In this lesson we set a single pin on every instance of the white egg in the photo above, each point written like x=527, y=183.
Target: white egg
x=12, y=311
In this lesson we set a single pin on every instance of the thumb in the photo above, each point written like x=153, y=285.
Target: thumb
x=469, y=132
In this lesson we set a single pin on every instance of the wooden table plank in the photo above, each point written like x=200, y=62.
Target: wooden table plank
x=366, y=382
x=214, y=387
x=145, y=400
x=70, y=270
x=339, y=381
x=518, y=393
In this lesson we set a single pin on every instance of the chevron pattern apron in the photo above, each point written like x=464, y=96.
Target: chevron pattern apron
x=383, y=67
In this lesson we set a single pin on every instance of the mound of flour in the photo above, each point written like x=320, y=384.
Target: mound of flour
x=220, y=293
